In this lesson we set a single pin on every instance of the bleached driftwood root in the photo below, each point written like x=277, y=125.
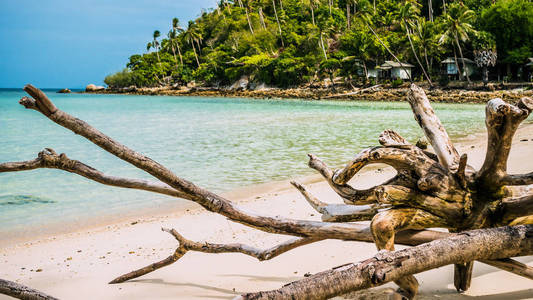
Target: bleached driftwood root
x=429, y=190
x=19, y=291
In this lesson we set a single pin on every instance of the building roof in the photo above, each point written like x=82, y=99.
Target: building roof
x=389, y=64
x=451, y=60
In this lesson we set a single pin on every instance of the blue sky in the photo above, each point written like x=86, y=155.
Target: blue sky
x=60, y=43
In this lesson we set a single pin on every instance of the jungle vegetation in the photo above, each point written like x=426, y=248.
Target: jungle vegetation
x=293, y=42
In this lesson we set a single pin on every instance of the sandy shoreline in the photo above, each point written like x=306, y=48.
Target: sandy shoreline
x=77, y=265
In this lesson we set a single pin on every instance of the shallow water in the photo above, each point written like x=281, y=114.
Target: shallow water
x=218, y=143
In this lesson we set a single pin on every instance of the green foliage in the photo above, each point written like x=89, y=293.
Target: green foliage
x=511, y=23
x=121, y=79
x=396, y=83
x=308, y=38
x=483, y=40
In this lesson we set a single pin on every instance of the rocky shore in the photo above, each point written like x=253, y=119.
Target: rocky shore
x=375, y=93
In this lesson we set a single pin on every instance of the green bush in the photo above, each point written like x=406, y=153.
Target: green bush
x=396, y=83
x=120, y=79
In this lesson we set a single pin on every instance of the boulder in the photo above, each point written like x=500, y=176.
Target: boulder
x=93, y=88
x=260, y=87
x=241, y=84
x=64, y=91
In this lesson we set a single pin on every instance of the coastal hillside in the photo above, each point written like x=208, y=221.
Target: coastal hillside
x=286, y=43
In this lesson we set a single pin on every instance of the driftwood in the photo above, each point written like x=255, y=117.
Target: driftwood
x=389, y=266
x=374, y=87
x=429, y=190
x=20, y=291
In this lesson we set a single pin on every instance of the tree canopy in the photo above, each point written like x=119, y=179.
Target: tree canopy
x=291, y=42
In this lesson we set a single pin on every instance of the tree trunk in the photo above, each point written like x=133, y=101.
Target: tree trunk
x=416, y=56
x=459, y=73
x=348, y=16
x=174, y=54
x=195, y=54
x=323, y=47
x=20, y=291
x=463, y=59
x=248, y=19
x=389, y=266
x=277, y=21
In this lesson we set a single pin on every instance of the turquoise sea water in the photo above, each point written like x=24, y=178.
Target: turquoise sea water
x=218, y=143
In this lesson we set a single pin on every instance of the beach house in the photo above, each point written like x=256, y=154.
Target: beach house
x=450, y=67
x=395, y=70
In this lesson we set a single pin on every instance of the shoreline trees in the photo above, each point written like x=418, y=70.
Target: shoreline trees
x=310, y=32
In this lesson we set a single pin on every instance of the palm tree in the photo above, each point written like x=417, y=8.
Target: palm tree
x=425, y=38
x=457, y=23
x=193, y=35
x=408, y=14
x=246, y=7
x=173, y=35
x=155, y=44
x=148, y=46
x=366, y=18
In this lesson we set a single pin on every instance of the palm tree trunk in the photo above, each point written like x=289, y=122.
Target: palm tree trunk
x=195, y=54
x=430, y=10
x=313, y=15
x=174, y=53
x=261, y=18
x=199, y=47
x=444, y=6
x=158, y=58
x=179, y=53
x=322, y=45
x=457, y=65
x=248, y=18
x=390, y=52
x=426, y=59
x=347, y=15
x=416, y=56
x=485, y=75
x=281, y=4
x=463, y=59
x=366, y=71
x=277, y=21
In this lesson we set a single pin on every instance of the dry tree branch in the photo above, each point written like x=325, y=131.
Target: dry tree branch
x=185, y=245
x=338, y=212
x=518, y=179
x=188, y=245
x=48, y=158
x=435, y=132
x=516, y=207
x=20, y=291
x=492, y=243
x=502, y=121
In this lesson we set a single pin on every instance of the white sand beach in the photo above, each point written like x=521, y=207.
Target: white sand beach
x=79, y=264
